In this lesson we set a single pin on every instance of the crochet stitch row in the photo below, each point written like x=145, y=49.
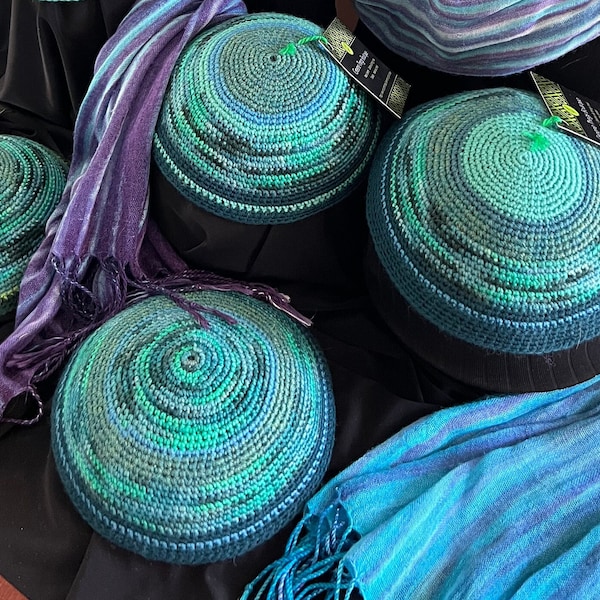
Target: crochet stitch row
x=188, y=444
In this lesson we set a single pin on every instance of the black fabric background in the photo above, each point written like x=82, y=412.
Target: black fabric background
x=47, y=51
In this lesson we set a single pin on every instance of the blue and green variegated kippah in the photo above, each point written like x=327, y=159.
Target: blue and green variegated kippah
x=257, y=135
x=486, y=218
x=188, y=444
x=32, y=180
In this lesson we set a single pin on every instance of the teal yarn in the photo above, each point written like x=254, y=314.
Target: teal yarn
x=485, y=231
x=32, y=179
x=192, y=445
x=257, y=135
x=481, y=37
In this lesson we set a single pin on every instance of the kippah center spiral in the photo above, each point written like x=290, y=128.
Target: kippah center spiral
x=496, y=154
x=191, y=360
x=256, y=136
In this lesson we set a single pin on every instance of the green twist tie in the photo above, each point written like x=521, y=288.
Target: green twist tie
x=540, y=142
x=551, y=121
x=291, y=48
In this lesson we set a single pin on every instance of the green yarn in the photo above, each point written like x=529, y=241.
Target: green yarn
x=551, y=121
x=292, y=47
x=486, y=219
x=32, y=179
x=188, y=444
x=258, y=128
x=539, y=142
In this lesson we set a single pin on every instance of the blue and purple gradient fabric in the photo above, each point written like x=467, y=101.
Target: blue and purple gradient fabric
x=497, y=499
x=99, y=238
x=481, y=37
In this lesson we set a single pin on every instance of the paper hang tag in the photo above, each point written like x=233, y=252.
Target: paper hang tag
x=365, y=68
x=579, y=115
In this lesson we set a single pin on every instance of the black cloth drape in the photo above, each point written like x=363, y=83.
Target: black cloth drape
x=47, y=52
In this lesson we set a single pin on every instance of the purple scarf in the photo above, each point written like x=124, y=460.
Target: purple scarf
x=100, y=246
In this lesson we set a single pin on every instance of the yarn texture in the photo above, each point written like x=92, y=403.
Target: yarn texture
x=486, y=232
x=193, y=445
x=259, y=128
x=494, y=499
x=481, y=37
x=32, y=179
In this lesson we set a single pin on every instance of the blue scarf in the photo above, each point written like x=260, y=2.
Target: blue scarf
x=497, y=499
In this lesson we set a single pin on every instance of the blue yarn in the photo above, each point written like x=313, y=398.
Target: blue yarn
x=488, y=233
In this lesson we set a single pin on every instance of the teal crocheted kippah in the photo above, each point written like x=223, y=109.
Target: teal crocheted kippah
x=188, y=444
x=486, y=219
x=32, y=179
x=259, y=125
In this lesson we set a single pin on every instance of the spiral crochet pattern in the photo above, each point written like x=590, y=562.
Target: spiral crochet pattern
x=486, y=219
x=187, y=444
x=256, y=136
x=481, y=37
x=32, y=179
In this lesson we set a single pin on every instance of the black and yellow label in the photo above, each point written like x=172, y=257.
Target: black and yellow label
x=579, y=115
x=365, y=68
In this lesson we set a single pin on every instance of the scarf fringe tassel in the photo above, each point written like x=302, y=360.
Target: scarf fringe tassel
x=87, y=303
x=312, y=565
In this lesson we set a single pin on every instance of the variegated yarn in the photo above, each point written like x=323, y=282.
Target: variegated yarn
x=482, y=37
x=188, y=444
x=486, y=219
x=32, y=180
x=255, y=134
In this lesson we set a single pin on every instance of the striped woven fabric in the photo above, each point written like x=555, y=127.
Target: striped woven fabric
x=259, y=136
x=496, y=499
x=32, y=180
x=99, y=240
x=486, y=219
x=482, y=37
x=191, y=444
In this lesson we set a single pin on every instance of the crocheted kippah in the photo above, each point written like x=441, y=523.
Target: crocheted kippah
x=486, y=218
x=32, y=179
x=258, y=136
x=188, y=444
x=481, y=37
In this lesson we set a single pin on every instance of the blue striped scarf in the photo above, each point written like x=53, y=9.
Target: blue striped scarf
x=99, y=241
x=497, y=499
